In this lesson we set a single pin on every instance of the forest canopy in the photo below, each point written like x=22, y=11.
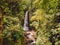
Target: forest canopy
x=44, y=16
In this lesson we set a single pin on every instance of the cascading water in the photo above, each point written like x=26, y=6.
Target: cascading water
x=29, y=34
x=26, y=28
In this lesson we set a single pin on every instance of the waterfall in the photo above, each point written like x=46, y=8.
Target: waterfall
x=29, y=34
x=26, y=20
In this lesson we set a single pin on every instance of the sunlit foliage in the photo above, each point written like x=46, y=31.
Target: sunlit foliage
x=44, y=17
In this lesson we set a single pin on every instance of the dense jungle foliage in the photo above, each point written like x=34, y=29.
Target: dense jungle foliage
x=44, y=17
